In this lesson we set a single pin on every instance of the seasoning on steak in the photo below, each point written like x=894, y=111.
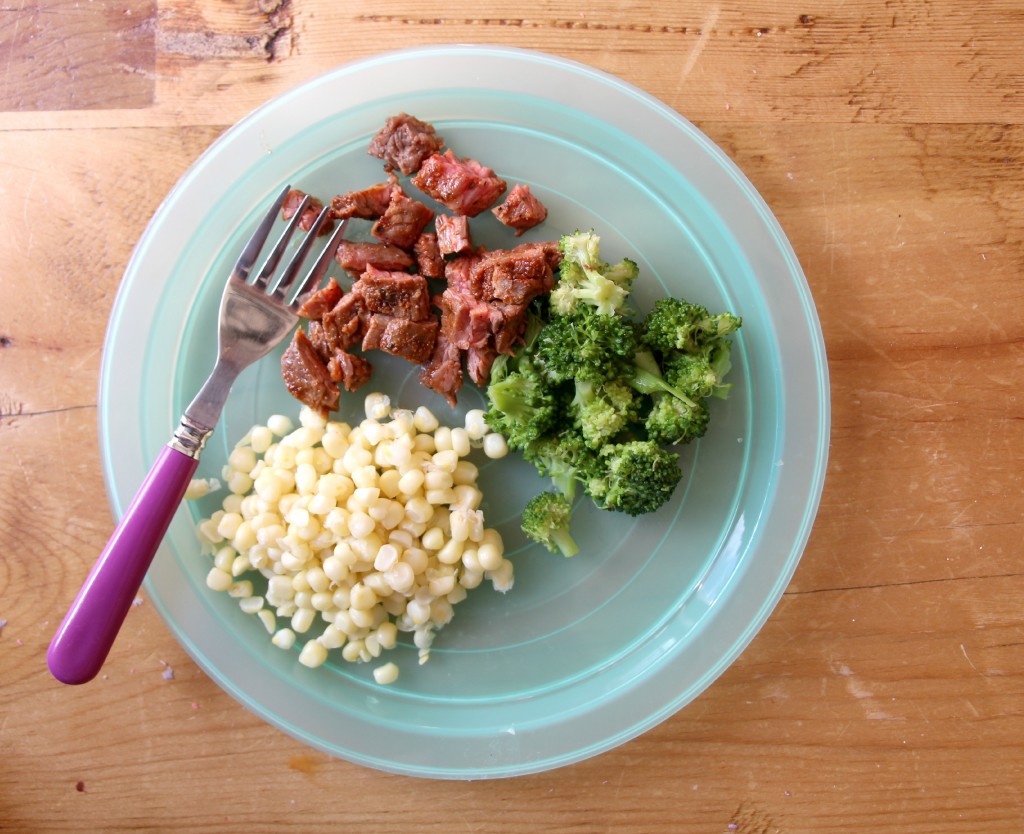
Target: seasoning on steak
x=514, y=276
x=465, y=321
x=350, y=370
x=402, y=221
x=366, y=204
x=404, y=142
x=429, y=262
x=306, y=376
x=463, y=186
x=293, y=199
x=355, y=256
x=321, y=301
x=396, y=294
x=453, y=236
x=412, y=340
x=342, y=326
x=521, y=209
x=443, y=373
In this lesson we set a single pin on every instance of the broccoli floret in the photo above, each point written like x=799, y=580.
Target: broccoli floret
x=522, y=405
x=603, y=410
x=646, y=377
x=637, y=477
x=584, y=346
x=677, y=325
x=699, y=375
x=546, y=520
x=585, y=280
x=582, y=248
x=565, y=457
x=674, y=422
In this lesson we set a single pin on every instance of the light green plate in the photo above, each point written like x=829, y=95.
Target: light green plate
x=583, y=654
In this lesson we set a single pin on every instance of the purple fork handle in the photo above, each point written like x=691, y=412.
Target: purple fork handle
x=84, y=638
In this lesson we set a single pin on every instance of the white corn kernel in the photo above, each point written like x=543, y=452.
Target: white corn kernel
x=283, y=638
x=386, y=674
x=495, y=446
x=313, y=654
x=476, y=425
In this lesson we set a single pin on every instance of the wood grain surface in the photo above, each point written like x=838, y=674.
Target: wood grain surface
x=885, y=692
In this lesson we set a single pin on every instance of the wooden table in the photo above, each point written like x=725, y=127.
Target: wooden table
x=884, y=694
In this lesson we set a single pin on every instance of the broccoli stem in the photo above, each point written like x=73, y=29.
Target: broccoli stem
x=565, y=542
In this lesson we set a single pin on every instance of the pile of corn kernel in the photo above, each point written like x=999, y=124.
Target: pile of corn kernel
x=361, y=532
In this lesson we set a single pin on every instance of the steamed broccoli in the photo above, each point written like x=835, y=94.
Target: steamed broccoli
x=584, y=346
x=522, y=405
x=565, y=457
x=604, y=410
x=546, y=520
x=677, y=325
x=699, y=375
x=584, y=279
x=636, y=477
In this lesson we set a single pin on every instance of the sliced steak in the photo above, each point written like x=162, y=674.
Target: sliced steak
x=521, y=209
x=443, y=373
x=507, y=323
x=342, y=325
x=402, y=221
x=453, y=236
x=404, y=142
x=465, y=321
x=463, y=186
x=429, y=262
x=355, y=256
x=514, y=276
x=397, y=294
x=306, y=376
x=478, y=363
x=366, y=204
x=350, y=370
x=412, y=340
x=321, y=301
x=291, y=204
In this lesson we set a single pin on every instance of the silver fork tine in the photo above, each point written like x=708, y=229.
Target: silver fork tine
x=274, y=258
x=284, y=285
x=244, y=264
x=295, y=264
x=318, y=270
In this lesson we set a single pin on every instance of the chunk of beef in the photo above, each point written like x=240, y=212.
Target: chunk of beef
x=443, y=373
x=459, y=272
x=292, y=201
x=478, y=363
x=463, y=186
x=397, y=294
x=514, y=276
x=342, y=325
x=366, y=204
x=507, y=323
x=306, y=376
x=453, y=236
x=521, y=209
x=404, y=142
x=350, y=370
x=402, y=221
x=465, y=321
x=321, y=301
x=429, y=262
x=355, y=256
x=412, y=340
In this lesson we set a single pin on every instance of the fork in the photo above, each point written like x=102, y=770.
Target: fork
x=255, y=316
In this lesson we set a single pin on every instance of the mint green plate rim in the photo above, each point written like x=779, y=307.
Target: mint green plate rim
x=743, y=583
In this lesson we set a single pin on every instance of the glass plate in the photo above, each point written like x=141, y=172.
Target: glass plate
x=585, y=653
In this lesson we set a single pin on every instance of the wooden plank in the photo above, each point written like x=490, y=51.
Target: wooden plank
x=66, y=55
